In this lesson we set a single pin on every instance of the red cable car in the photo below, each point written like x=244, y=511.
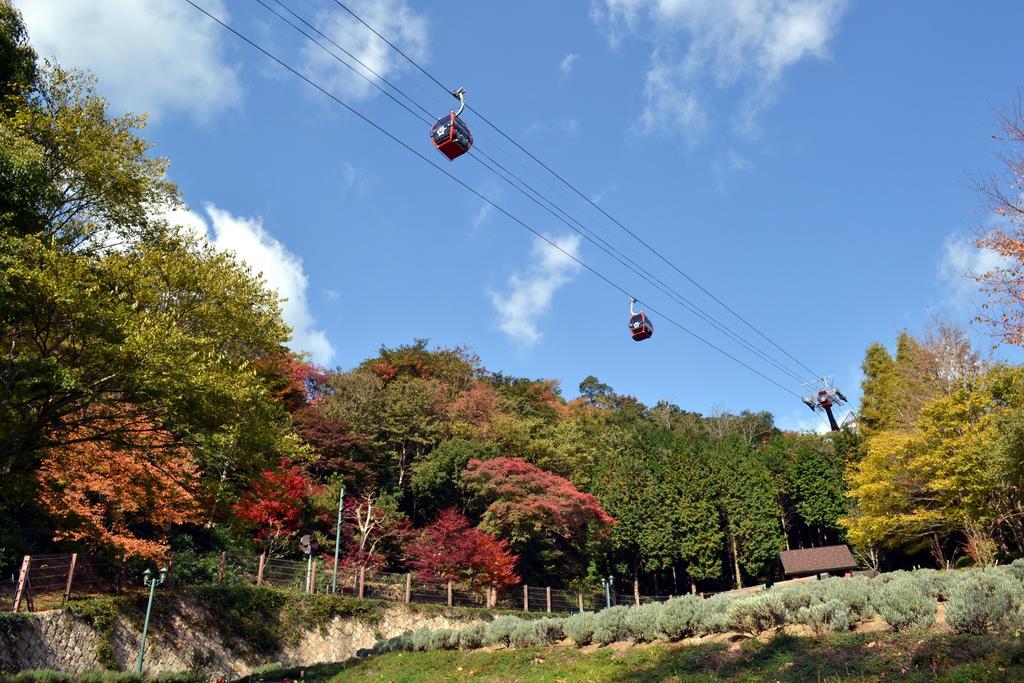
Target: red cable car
x=640, y=326
x=450, y=134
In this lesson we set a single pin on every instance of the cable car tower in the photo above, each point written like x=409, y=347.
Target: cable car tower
x=823, y=396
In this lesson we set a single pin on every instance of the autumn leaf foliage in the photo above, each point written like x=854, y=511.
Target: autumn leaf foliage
x=522, y=497
x=449, y=548
x=122, y=490
x=274, y=505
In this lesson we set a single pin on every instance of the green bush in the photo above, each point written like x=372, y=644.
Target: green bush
x=757, y=613
x=499, y=631
x=716, y=614
x=421, y=640
x=823, y=617
x=611, y=625
x=525, y=635
x=683, y=617
x=854, y=593
x=580, y=628
x=798, y=596
x=982, y=600
x=1016, y=568
x=444, y=639
x=936, y=583
x=473, y=636
x=549, y=631
x=642, y=622
x=903, y=603
x=402, y=643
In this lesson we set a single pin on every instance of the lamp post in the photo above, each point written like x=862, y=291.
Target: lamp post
x=337, y=540
x=151, y=582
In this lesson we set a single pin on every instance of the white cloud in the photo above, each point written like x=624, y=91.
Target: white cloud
x=149, y=55
x=741, y=45
x=566, y=66
x=263, y=253
x=530, y=294
x=962, y=258
x=482, y=215
x=392, y=18
x=354, y=179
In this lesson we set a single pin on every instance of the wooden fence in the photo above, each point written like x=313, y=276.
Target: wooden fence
x=53, y=579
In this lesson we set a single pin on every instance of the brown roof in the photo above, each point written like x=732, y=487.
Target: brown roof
x=817, y=560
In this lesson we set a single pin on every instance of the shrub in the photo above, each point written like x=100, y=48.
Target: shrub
x=580, y=627
x=420, y=640
x=757, y=613
x=798, y=596
x=611, y=625
x=525, y=634
x=716, y=614
x=903, y=603
x=982, y=600
x=499, y=631
x=683, y=617
x=831, y=615
x=854, y=593
x=444, y=639
x=549, y=631
x=934, y=582
x=473, y=636
x=402, y=643
x=642, y=622
x=1016, y=568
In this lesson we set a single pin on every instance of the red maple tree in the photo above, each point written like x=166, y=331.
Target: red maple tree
x=449, y=548
x=543, y=516
x=274, y=505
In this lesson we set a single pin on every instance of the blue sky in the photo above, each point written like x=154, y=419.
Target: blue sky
x=807, y=162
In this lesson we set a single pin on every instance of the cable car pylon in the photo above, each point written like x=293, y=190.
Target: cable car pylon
x=824, y=395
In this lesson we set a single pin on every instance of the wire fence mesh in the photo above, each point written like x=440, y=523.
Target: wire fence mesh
x=51, y=579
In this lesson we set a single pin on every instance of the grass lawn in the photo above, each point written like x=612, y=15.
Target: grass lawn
x=847, y=657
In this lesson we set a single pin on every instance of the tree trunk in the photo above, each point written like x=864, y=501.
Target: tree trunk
x=636, y=583
x=675, y=580
x=736, y=562
x=693, y=586
x=785, y=529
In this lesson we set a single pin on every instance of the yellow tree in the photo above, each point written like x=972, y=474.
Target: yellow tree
x=945, y=475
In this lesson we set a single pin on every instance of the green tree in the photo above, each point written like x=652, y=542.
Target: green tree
x=747, y=505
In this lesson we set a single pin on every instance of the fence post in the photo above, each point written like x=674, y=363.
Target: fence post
x=579, y=599
x=71, y=576
x=526, y=598
x=549, y=598
x=449, y=592
x=362, y=579
x=408, y=587
x=312, y=578
x=259, y=571
x=220, y=568
x=19, y=593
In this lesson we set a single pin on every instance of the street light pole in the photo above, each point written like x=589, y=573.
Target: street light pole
x=337, y=540
x=151, y=582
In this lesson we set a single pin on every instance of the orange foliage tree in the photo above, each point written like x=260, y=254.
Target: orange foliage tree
x=121, y=491
x=1003, y=312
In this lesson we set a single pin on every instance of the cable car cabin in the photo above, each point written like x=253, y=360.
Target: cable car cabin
x=640, y=326
x=824, y=399
x=451, y=136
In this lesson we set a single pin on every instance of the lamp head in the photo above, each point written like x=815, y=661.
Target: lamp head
x=163, y=574
x=146, y=576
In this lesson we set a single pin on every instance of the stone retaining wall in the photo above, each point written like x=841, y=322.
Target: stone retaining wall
x=185, y=640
